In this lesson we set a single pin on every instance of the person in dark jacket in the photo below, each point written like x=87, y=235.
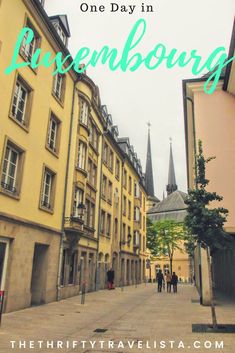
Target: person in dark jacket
x=159, y=279
x=110, y=278
x=174, y=281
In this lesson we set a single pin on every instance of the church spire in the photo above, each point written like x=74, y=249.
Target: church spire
x=171, y=186
x=149, y=169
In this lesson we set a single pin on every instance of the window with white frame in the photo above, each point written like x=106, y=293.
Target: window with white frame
x=136, y=214
x=53, y=133
x=136, y=190
x=28, y=48
x=47, y=196
x=10, y=169
x=84, y=112
x=82, y=155
x=58, y=86
x=136, y=238
x=20, y=103
x=78, y=199
x=90, y=214
x=61, y=34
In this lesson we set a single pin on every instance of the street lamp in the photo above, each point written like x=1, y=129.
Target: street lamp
x=81, y=210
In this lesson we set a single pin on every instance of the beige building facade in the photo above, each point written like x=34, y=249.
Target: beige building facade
x=211, y=119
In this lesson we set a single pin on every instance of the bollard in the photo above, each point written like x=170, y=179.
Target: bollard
x=83, y=293
x=1, y=305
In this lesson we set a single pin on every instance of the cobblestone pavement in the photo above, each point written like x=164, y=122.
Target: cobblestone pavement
x=132, y=318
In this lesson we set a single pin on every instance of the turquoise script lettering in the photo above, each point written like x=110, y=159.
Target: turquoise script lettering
x=129, y=58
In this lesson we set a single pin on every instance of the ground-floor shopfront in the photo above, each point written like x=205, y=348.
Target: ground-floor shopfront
x=29, y=256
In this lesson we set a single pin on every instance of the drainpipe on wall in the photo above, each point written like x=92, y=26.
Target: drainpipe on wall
x=195, y=164
x=65, y=191
x=121, y=280
x=99, y=213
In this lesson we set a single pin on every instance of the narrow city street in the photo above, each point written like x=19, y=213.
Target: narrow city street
x=132, y=318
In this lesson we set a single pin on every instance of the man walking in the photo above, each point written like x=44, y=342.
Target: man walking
x=110, y=278
x=168, y=281
x=159, y=279
x=174, y=281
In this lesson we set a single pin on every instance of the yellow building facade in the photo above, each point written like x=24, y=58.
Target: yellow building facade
x=54, y=238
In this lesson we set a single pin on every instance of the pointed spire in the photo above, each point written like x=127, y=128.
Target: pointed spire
x=172, y=186
x=149, y=169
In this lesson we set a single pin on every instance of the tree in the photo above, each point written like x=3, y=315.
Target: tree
x=204, y=222
x=164, y=237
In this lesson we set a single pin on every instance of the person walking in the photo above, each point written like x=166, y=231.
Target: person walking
x=174, y=281
x=168, y=281
x=110, y=278
x=159, y=279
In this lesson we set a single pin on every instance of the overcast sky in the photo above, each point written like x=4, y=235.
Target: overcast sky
x=135, y=98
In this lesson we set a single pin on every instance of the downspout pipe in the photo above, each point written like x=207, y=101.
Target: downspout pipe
x=58, y=297
x=196, y=185
x=99, y=213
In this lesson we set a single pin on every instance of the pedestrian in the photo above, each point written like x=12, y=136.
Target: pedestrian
x=174, y=281
x=168, y=281
x=159, y=279
x=110, y=278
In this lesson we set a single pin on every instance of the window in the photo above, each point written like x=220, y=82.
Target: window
x=140, y=197
x=94, y=136
x=129, y=209
x=124, y=205
x=84, y=111
x=125, y=178
x=48, y=192
x=28, y=48
x=59, y=86
x=90, y=214
x=123, y=232
x=102, y=222
x=110, y=188
x=21, y=102
x=104, y=186
x=53, y=133
x=108, y=229
x=136, y=214
x=116, y=227
x=92, y=172
x=82, y=155
x=117, y=169
x=78, y=199
x=106, y=153
x=111, y=160
x=136, y=190
x=130, y=185
x=72, y=266
x=166, y=268
x=12, y=169
x=61, y=33
x=136, y=238
x=94, y=175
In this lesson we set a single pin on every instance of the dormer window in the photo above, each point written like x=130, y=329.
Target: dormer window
x=61, y=25
x=61, y=34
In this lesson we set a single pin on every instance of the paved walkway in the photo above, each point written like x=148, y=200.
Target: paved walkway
x=134, y=316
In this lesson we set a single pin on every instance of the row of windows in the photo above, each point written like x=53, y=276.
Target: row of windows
x=105, y=223
x=11, y=177
x=107, y=189
x=86, y=121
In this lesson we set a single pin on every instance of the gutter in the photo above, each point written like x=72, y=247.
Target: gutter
x=65, y=191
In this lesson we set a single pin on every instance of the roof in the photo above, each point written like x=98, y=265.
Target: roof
x=172, y=207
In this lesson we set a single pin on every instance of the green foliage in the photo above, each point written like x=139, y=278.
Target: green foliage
x=164, y=237
x=204, y=222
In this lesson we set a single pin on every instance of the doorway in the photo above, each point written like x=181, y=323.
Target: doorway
x=4, y=249
x=39, y=272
